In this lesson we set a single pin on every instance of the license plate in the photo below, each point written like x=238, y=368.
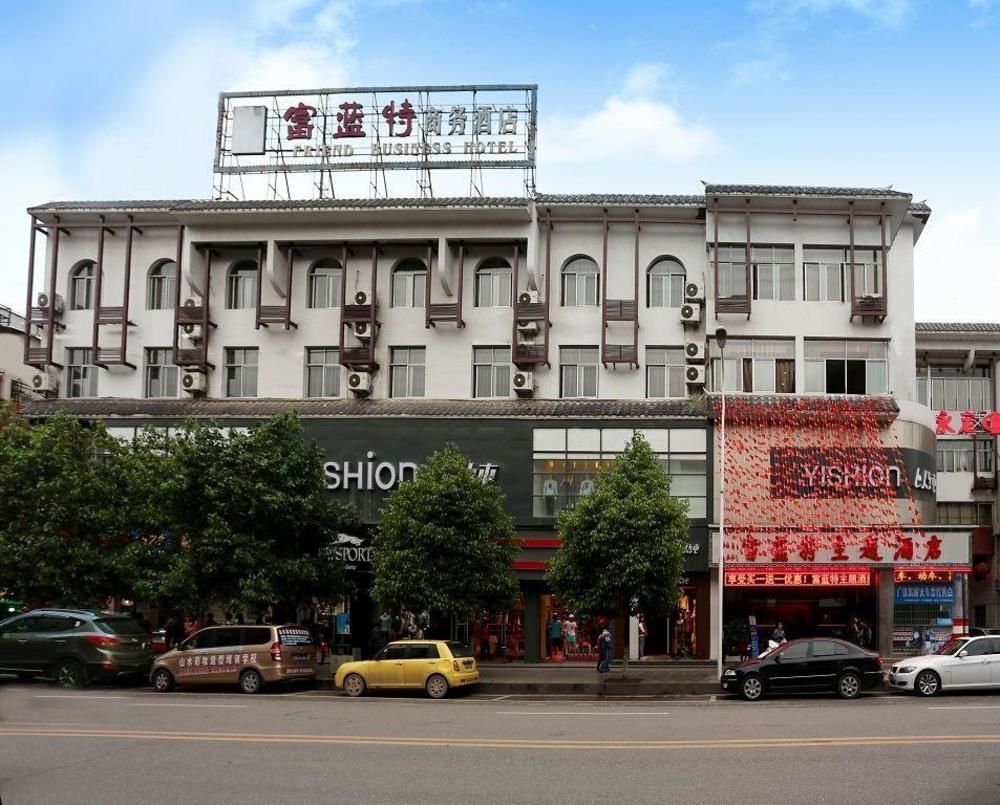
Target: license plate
x=300, y=657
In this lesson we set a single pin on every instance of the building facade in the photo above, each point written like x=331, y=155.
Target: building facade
x=534, y=332
x=15, y=377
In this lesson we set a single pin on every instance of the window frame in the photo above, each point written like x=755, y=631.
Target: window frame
x=333, y=274
x=581, y=371
x=760, y=367
x=491, y=274
x=325, y=372
x=652, y=362
x=83, y=373
x=809, y=362
x=411, y=370
x=731, y=267
x=571, y=275
x=408, y=270
x=161, y=286
x=241, y=371
x=494, y=365
x=165, y=368
x=666, y=291
x=241, y=279
x=82, y=276
x=777, y=269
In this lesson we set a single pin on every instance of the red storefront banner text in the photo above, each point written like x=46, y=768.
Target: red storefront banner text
x=853, y=578
x=967, y=422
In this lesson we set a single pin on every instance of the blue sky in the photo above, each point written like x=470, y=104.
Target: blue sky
x=117, y=99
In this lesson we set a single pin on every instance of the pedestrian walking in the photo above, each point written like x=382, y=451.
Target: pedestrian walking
x=642, y=636
x=569, y=630
x=555, y=635
x=605, y=647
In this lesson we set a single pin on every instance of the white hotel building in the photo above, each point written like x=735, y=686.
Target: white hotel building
x=534, y=332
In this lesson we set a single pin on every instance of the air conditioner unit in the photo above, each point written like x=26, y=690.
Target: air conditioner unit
x=694, y=351
x=694, y=291
x=523, y=383
x=362, y=296
x=57, y=302
x=695, y=375
x=527, y=328
x=44, y=383
x=194, y=381
x=527, y=297
x=360, y=383
x=690, y=314
x=362, y=330
x=192, y=332
x=191, y=302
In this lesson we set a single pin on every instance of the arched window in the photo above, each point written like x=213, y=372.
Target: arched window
x=241, y=285
x=665, y=283
x=324, y=283
x=81, y=286
x=493, y=283
x=409, y=283
x=580, y=283
x=161, y=285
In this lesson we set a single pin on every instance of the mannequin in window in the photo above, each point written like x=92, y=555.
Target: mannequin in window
x=550, y=491
x=586, y=487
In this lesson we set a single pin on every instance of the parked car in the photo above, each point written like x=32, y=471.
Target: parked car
x=74, y=646
x=982, y=631
x=158, y=641
x=960, y=664
x=436, y=666
x=807, y=665
x=248, y=656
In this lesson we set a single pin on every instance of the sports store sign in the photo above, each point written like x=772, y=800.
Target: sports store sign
x=371, y=475
x=362, y=128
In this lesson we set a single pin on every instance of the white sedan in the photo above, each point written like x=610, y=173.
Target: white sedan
x=963, y=663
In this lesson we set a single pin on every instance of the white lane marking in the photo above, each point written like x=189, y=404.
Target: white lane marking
x=500, y=698
x=965, y=707
x=576, y=713
x=72, y=696
x=168, y=704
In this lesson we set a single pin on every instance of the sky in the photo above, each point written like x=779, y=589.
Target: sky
x=117, y=100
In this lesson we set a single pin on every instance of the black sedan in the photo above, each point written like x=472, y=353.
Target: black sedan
x=807, y=665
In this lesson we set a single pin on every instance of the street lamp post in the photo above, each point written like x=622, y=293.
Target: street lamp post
x=720, y=339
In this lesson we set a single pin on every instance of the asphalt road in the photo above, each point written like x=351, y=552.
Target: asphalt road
x=118, y=746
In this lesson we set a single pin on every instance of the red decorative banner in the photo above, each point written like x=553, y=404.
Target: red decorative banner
x=971, y=422
x=854, y=578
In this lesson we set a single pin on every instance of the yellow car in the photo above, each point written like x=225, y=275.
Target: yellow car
x=434, y=665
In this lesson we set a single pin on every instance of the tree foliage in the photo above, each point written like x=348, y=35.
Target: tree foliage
x=622, y=548
x=445, y=542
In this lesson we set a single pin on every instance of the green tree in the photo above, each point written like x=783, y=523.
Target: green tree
x=446, y=542
x=247, y=519
x=622, y=548
x=65, y=512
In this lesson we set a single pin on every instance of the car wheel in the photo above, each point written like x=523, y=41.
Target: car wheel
x=251, y=681
x=752, y=688
x=69, y=674
x=354, y=685
x=163, y=681
x=849, y=685
x=436, y=686
x=927, y=683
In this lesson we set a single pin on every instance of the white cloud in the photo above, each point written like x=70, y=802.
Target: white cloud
x=891, y=13
x=955, y=265
x=759, y=71
x=645, y=79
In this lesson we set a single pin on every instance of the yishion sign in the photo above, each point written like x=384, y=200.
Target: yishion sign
x=371, y=475
x=851, y=472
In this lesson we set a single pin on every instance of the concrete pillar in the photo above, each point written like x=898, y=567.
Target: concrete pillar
x=714, y=636
x=959, y=622
x=886, y=610
x=633, y=638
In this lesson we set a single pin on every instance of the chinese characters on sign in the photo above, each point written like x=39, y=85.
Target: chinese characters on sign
x=865, y=548
x=925, y=594
x=854, y=578
x=969, y=422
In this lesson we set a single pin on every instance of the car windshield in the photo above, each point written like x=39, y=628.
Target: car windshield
x=952, y=647
x=119, y=626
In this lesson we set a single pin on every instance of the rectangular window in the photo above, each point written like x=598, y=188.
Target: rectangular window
x=161, y=374
x=322, y=372
x=241, y=371
x=161, y=290
x=823, y=274
x=491, y=371
x=950, y=388
x=774, y=273
x=867, y=272
x=578, y=371
x=732, y=271
x=985, y=450
x=665, y=372
x=955, y=455
x=241, y=292
x=407, y=366
x=951, y=513
x=493, y=287
x=409, y=288
x=846, y=367
x=81, y=374
x=763, y=366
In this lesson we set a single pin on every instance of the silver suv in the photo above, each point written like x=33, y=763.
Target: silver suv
x=74, y=646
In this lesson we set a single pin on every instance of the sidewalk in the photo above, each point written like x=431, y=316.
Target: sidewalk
x=669, y=679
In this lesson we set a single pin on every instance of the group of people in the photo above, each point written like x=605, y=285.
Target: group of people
x=564, y=638
x=562, y=635
x=403, y=625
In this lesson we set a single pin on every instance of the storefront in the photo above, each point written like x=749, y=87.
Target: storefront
x=830, y=526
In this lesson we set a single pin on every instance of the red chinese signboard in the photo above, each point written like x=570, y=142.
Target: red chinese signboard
x=969, y=422
x=848, y=578
x=922, y=575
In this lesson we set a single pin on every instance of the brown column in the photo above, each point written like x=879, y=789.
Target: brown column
x=886, y=610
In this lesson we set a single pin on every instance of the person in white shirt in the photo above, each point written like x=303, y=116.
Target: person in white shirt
x=642, y=636
x=569, y=634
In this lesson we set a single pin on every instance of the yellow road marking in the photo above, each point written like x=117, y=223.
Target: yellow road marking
x=500, y=743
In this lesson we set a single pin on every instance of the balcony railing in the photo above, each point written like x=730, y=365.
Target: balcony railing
x=733, y=304
x=621, y=309
x=869, y=306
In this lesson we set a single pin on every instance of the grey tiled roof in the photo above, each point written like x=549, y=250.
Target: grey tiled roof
x=164, y=205
x=354, y=203
x=619, y=199
x=797, y=190
x=421, y=409
x=920, y=208
x=957, y=327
